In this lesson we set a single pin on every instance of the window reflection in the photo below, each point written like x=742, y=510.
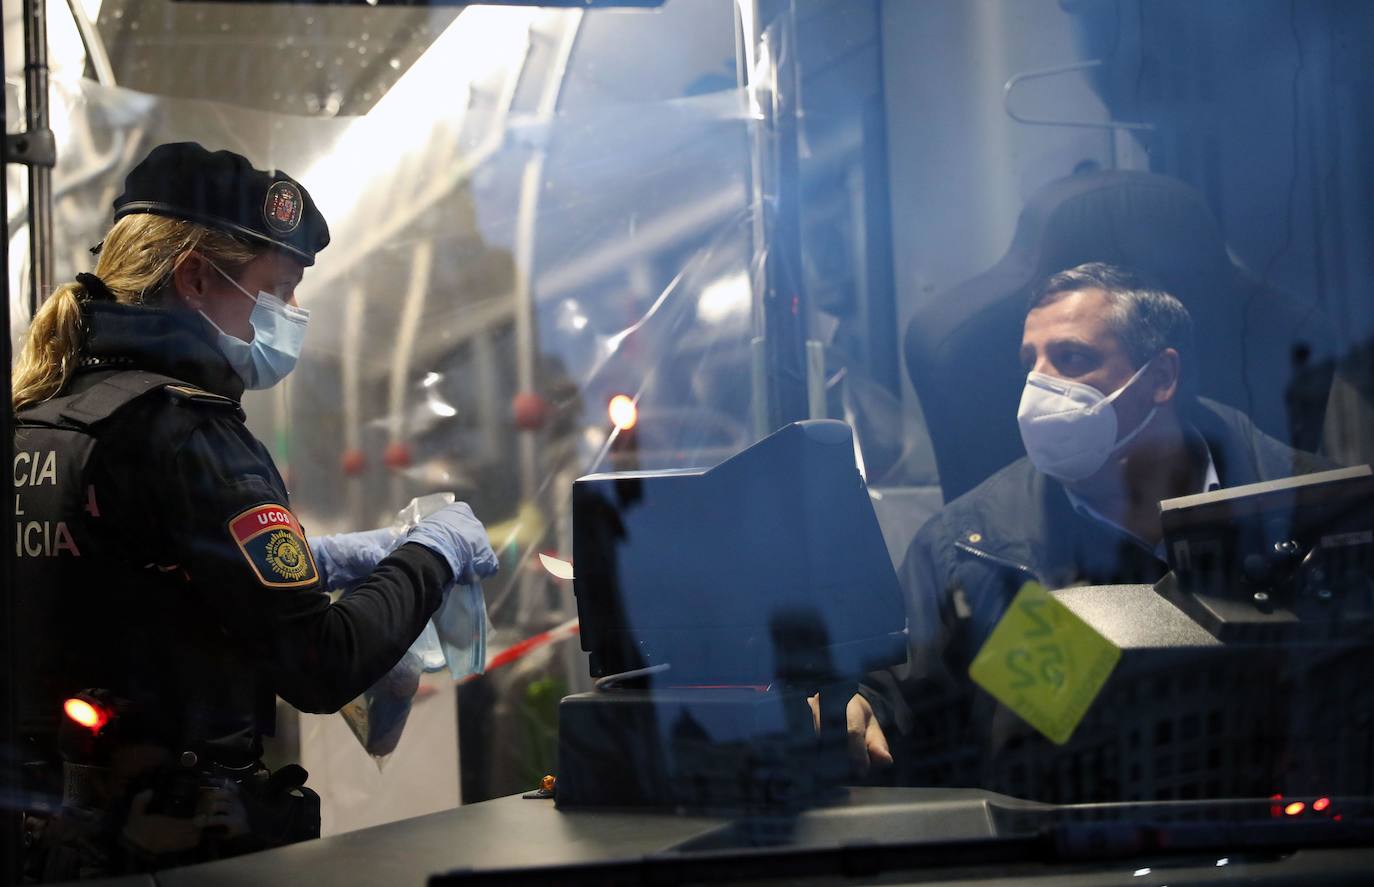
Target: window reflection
x=1052, y=263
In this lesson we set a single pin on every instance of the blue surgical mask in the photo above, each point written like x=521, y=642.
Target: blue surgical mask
x=461, y=624
x=278, y=333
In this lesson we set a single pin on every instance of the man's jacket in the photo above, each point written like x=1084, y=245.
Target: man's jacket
x=971, y=558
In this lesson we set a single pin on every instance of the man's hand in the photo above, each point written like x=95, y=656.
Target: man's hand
x=867, y=744
x=217, y=808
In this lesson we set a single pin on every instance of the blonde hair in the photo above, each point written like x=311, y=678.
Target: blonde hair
x=136, y=263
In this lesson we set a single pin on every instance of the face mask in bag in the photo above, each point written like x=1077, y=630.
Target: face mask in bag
x=1069, y=428
x=456, y=635
x=278, y=334
x=462, y=625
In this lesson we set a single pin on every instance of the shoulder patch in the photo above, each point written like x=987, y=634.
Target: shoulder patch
x=274, y=545
x=191, y=394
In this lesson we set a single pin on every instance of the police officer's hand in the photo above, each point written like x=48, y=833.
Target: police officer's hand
x=455, y=534
x=345, y=558
x=867, y=744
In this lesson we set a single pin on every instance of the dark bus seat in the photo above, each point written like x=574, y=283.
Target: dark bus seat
x=1258, y=349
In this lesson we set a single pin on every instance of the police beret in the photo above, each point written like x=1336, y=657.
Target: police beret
x=223, y=190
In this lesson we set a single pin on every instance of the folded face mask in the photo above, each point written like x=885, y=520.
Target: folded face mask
x=461, y=625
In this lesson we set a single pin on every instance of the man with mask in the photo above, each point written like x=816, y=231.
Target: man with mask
x=167, y=593
x=1111, y=427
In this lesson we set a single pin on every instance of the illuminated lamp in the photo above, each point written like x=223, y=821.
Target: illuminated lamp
x=1295, y=808
x=623, y=412
x=90, y=716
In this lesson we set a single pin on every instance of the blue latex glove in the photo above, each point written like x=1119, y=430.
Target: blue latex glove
x=455, y=534
x=345, y=558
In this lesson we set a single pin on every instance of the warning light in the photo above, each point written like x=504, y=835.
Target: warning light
x=624, y=414
x=89, y=716
x=1295, y=808
x=1321, y=804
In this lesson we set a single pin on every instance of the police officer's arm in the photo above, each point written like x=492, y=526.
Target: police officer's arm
x=246, y=555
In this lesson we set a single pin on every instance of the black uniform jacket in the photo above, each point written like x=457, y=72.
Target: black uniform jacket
x=969, y=560
x=199, y=600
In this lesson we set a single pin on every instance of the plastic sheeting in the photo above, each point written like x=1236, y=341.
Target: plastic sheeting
x=550, y=209
x=502, y=265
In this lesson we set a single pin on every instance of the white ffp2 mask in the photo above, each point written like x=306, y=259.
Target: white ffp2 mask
x=1069, y=428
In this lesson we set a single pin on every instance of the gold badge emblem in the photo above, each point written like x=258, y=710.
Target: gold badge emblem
x=283, y=208
x=284, y=555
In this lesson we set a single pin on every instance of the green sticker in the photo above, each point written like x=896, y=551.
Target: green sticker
x=1044, y=663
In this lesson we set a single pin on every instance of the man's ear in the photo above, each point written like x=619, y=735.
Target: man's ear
x=191, y=280
x=1164, y=375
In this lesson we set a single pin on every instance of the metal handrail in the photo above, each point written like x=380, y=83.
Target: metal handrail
x=1056, y=70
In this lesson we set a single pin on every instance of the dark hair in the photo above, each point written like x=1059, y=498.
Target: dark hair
x=1145, y=318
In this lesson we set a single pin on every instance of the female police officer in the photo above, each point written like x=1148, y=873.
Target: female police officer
x=160, y=563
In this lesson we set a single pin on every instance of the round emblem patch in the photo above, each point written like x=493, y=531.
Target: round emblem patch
x=283, y=208
x=285, y=557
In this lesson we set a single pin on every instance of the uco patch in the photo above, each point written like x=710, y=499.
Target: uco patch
x=274, y=544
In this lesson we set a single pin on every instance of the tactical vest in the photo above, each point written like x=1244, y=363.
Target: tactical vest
x=55, y=511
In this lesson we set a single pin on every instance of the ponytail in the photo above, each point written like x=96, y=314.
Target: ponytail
x=137, y=259
x=51, y=348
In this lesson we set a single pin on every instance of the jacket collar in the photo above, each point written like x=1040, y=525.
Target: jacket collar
x=173, y=343
x=1022, y=518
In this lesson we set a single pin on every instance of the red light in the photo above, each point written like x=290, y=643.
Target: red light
x=1295, y=808
x=396, y=455
x=1321, y=804
x=85, y=714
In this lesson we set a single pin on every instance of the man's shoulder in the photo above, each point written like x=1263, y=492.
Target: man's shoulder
x=1244, y=453
x=1019, y=482
x=999, y=507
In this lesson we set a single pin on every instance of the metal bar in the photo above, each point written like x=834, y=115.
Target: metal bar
x=746, y=37
x=10, y=817
x=526, y=231
x=40, y=176
x=1055, y=71
x=786, y=311
x=873, y=214
x=94, y=43
x=355, y=305
x=408, y=330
